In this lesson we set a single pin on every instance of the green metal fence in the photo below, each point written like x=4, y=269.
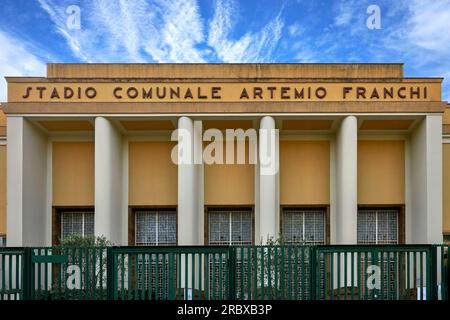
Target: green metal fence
x=170, y=273
x=11, y=273
x=72, y=273
x=442, y=261
x=375, y=272
x=287, y=272
x=272, y=272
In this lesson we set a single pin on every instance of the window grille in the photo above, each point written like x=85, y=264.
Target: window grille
x=156, y=228
x=446, y=238
x=77, y=222
x=377, y=226
x=230, y=227
x=304, y=226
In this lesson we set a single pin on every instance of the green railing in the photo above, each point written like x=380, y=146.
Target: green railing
x=11, y=273
x=272, y=272
x=375, y=272
x=170, y=273
x=66, y=273
x=287, y=272
x=442, y=271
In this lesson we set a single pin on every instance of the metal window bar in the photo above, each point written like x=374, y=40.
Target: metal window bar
x=304, y=226
x=2, y=241
x=377, y=226
x=77, y=222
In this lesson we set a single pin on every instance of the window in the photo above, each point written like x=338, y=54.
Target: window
x=301, y=226
x=2, y=241
x=230, y=226
x=156, y=227
x=378, y=226
x=304, y=226
x=446, y=238
x=77, y=222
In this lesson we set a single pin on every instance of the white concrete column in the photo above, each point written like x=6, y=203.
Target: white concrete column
x=424, y=215
x=189, y=199
x=109, y=185
x=200, y=179
x=268, y=167
x=27, y=216
x=346, y=193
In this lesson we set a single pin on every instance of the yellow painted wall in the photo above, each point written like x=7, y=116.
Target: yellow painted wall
x=230, y=184
x=2, y=190
x=446, y=191
x=381, y=172
x=73, y=173
x=153, y=177
x=2, y=123
x=304, y=172
x=446, y=115
x=206, y=71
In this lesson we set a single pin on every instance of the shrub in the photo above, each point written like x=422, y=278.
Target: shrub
x=78, y=240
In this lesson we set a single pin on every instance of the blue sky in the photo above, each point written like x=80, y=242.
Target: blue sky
x=414, y=32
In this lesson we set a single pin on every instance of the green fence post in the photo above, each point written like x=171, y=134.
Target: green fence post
x=446, y=267
x=172, y=280
x=314, y=271
x=232, y=273
x=434, y=266
x=110, y=273
x=27, y=281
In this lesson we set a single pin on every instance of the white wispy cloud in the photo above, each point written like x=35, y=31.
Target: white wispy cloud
x=429, y=25
x=423, y=40
x=107, y=29
x=343, y=18
x=182, y=31
x=16, y=60
x=305, y=54
x=252, y=46
x=295, y=30
x=344, y=14
x=414, y=32
x=133, y=31
x=58, y=17
x=161, y=31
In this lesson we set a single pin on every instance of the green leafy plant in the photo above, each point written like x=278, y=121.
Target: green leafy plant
x=276, y=279
x=279, y=241
x=88, y=253
x=78, y=240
